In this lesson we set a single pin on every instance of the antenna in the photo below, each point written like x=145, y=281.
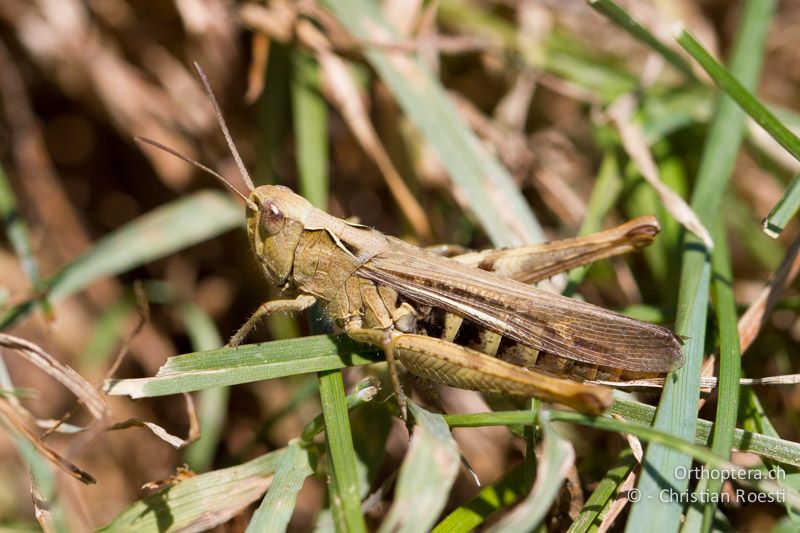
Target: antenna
x=199, y=165
x=224, y=127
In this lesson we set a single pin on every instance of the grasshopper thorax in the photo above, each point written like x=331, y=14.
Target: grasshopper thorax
x=276, y=217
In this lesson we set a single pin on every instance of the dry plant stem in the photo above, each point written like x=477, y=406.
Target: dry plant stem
x=707, y=383
x=576, y=496
x=754, y=318
x=143, y=312
x=756, y=315
x=276, y=21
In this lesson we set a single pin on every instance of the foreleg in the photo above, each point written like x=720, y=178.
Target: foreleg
x=302, y=302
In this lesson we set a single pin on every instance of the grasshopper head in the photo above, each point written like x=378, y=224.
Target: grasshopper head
x=275, y=220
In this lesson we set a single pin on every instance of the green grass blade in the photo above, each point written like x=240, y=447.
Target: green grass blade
x=495, y=199
x=622, y=19
x=365, y=390
x=18, y=237
x=273, y=108
x=754, y=419
x=276, y=508
x=665, y=113
x=681, y=392
x=699, y=453
x=765, y=445
x=429, y=470
x=212, y=404
x=557, y=457
x=729, y=373
x=740, y=91
x=200, y=502
x=245, y=364
x=784, y=210
x=371, y=423
x=298, y=463
x=530, y=464
x=604, y=493
x=107, y=332
x=343, y=484
x=163, y=231
x=472, y=514
x=310, y=113
x=783, y=451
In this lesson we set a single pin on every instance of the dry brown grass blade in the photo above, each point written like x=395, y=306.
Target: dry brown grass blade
x=257, y=70
x=277, y=21
x=756, y=315
x=15, y=422
x=343, y=92
x=759, y=311
x=622, y=499
x=621, y=113
x=174, y=441
x=86, y=393
x=41, y=509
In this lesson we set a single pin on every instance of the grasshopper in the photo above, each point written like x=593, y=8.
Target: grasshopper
x=469, y=321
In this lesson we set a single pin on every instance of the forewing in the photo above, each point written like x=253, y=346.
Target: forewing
x=542, y=320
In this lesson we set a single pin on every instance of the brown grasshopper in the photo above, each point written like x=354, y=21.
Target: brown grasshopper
x=469, y=321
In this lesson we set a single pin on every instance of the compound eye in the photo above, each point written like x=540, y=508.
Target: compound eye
x=271, y=219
